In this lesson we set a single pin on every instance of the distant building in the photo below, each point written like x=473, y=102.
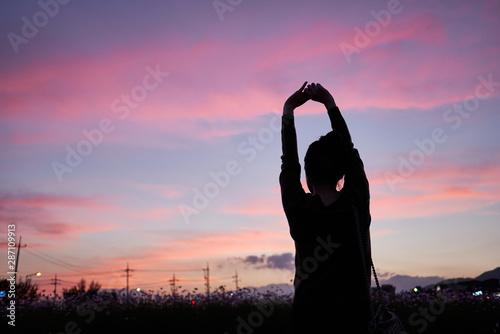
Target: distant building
x=471, y=286
x=386, y=288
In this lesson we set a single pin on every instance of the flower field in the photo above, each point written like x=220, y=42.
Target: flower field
x=229, y=312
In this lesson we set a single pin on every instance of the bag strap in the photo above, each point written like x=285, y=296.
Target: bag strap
x=372, y=324
x=379, y=290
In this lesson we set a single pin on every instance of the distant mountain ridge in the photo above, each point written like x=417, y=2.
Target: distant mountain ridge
x=405, y=282
x=401, y=282
x=487, y=275
x=495, y=273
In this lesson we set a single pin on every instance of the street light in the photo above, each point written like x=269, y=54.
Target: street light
x=35, y=274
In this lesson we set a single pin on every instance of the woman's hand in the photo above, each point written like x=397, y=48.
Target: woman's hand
x=318, y=93
x=296, y=100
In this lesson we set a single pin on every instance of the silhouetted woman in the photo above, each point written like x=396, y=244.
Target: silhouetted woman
x=330, y=289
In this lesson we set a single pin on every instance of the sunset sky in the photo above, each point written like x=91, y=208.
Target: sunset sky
x=147, y=132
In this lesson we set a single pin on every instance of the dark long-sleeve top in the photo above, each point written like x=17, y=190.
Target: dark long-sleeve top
x=329, y=276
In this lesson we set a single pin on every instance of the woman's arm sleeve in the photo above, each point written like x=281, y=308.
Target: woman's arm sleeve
x=355, y=181
x=291, y=188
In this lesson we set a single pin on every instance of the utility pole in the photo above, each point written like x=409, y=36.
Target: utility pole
x=127, y=272
x=54, y=283
x=17, y=256
x=172, y=285
x=207, y=278
x=236, y=280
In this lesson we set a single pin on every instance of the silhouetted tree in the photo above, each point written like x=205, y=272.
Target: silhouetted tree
x=94, y=287
x=80, y=288
x=24, y=290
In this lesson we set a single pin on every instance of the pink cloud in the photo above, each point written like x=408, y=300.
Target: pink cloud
x=51, y=216
x=222, y=244
x=180, y=251
x=44, y=200
x=437, y=191
x=382, y=233
x=426, y=28
x=205, y=85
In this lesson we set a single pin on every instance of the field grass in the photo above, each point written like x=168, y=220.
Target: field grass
x=244, y=311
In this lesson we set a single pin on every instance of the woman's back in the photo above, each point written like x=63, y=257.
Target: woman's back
x=330, y=282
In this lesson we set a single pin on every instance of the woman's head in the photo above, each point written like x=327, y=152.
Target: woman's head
x=324, y=162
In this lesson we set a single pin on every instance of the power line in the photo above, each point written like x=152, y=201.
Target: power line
x=221, y=278
x=56, y=262
x=172, y=284
x=77, y=272
x=55, y=281
x=127, y=272
x=207, y=278
x=236, y=280
x=156, y=284
x=152, y=284
x=17, y=257
x=77, y=269
x=65, y=265
x=93, y=274
x=168, y=270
